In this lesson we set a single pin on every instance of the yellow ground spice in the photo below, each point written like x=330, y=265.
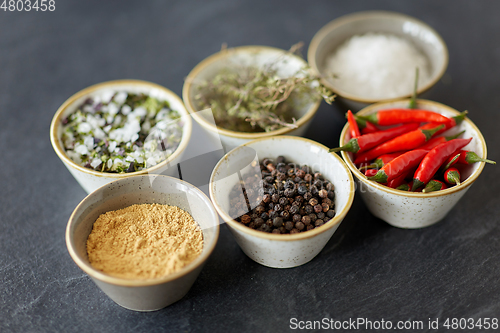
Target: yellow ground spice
x=144, y=241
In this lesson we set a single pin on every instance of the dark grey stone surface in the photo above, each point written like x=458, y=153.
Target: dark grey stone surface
x=368, y=269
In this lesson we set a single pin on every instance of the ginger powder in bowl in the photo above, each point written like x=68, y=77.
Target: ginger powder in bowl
x=146, y=241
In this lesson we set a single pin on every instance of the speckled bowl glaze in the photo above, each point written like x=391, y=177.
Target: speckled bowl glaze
x=281, y=251
x=332, y=35
x=90, y=179
x=151, y=294
x=287, y=64
x=415, y=209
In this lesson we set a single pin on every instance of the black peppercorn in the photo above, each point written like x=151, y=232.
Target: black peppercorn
x=325, y=207
x=319, y=223
x=266, y=161
x=264, y=216
x=330, y=213
x=317, y=175
x=296, y=218
x=280, y=176
x=308, y=178
x=260, y=209
x=265, y=228
x=302, y=189
x=283, y=201
x=309, y=209
x=313, y=217
x=269, y=179
x=270, y=205
x=289, y=192
x=285, y=214
x=313, y=201
x=278, y=208
x=266, y=198
x=294, y=231
x=327, y=201
x=275, y=197
x=270, y=167
x=289, y=184
x=300, y=173
x=280, y=159
x=320, y=215
x=258, y=222
x=318, y=209
x=314, y=190
x=289, y=225
x=291, y=172
x=306, y=220
x=307, y=196
x=276, y=231
x=300, y=226
x=306, y=169
x=309, y=227
x=273, y=214
x=331, y=195
x=294, y=209
x=323, y=193
x=299, y=199
x=277, y=222
x=245, y=219
x=282, y=230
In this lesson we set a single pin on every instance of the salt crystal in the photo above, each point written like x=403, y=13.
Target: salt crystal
x=377, y=66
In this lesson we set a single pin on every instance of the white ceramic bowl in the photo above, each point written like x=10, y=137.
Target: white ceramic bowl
x=416, y=209
x=151, y=294
x=290, y=250
x=90, y=179
x=288, y=65
x=332, y=35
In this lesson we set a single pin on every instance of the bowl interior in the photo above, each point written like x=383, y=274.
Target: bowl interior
x=477, y=144
x=244, y=161
x=129, y=86
x=285, y=63
x=140, y=190
x=338, y=31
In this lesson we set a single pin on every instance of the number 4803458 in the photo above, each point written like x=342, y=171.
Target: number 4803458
x=28, y=5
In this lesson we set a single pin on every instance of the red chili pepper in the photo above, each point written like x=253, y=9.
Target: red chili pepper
x=438, y=140
x=399, y=165
x=452, y=176
x=468, y=157
x=400, y=116
x=434, y=185
x=367, y=141
x=434, y=159
x=407, y=141
x=453, y=121
x=382, y=160
x=370, y=172
x=353, y=125
x=365, y=126
x=399, y=180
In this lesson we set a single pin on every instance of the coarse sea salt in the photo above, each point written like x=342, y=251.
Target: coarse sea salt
x=377, y=66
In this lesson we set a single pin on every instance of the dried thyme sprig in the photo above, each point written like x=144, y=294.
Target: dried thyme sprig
x=252, y=99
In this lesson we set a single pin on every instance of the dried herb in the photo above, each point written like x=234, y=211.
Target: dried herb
x=257, y=99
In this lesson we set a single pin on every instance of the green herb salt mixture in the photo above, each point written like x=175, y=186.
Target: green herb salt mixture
x=121, y=132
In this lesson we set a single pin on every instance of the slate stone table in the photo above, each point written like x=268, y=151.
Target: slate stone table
x=368, y=270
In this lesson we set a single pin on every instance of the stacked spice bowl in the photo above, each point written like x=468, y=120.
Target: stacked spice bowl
x=301, y=227
x=406, y=209
x=372, y=56
x=247, y=102
x=116, y=129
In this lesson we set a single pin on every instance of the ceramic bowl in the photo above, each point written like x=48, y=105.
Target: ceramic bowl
x=151, y=294
x=90, y=179
x=416, y=209
x=287, y=64
x=288, y=250
x=332, y=35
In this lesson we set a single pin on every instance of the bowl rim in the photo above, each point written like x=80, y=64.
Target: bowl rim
x=60, y=151
x=101, y=276
x=422, y=102
x=201, y=66
x=321, y=34
x=287, y=237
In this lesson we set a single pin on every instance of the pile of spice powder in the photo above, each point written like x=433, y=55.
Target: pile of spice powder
x=145, y=241
x=377, y=66
x=121, y=132
x=288, y=199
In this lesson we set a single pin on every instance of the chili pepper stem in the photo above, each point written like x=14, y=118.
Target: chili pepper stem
x=453, y=178
x=472, y=157
x=416, y=184
x=433, y=185
x=451, y=162
x=380, y=177
x=403, y=187
x=451, y=137
x=430, y=132
x=352, y=146
x=413, y=99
